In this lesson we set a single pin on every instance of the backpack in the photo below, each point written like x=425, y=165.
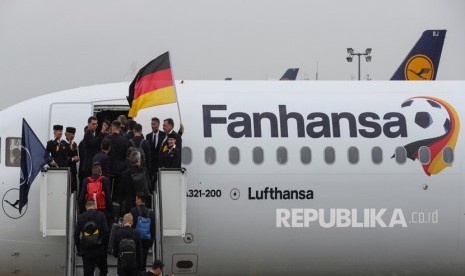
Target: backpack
x=91, y=235
x=95, y=192
x=140, y=181
x=139, y=149
x=127, y=254
x=143, y=225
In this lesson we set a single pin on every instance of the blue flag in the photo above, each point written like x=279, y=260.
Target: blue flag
x=33, y=158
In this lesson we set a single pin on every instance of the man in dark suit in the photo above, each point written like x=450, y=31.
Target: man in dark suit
x=73, y=156
x=117, y=156
x=57, y=150
x=91, y=143
x=102, y=157
x=168, y=128
x=155, y=139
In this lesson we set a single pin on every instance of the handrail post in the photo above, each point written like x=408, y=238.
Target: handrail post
x=158, y=220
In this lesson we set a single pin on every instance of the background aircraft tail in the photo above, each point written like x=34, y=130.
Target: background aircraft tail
x=290, y=74
x=422, y=62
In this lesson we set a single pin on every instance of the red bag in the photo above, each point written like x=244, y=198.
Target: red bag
x=95, y=192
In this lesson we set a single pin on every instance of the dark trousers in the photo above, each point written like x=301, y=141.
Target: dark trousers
x=133, y=272
x=145, y=251
x=90, y=262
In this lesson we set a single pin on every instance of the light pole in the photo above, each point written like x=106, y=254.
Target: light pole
x=351, y=55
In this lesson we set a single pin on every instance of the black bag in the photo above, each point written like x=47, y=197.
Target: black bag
x=140, y=150
x=91, y=237
x=140, y=181
x=127, y=254
x=114, y=228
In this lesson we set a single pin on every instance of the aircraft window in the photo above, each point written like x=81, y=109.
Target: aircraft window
x=281, y=155
x=330, y=155
x=306, y=155
x=448, y=155
x=234, y=155
x=353, y=155
x=13, y=152
x=377, y=155
x=0, y=148
x=210, y=156
x=424, y=155
x=258, y=155
x=186, y=155
x=401, y=155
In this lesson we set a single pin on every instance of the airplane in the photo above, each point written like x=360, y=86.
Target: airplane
x=290, y=74
x=422, y=62
x=320, y=178
x=224, y=236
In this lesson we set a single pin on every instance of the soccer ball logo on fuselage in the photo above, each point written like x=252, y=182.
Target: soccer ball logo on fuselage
x=434, y=124
x=431, y=119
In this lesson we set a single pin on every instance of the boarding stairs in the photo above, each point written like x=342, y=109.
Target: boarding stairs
x=58, y=213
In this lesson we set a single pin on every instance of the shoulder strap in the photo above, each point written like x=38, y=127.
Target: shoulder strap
x=132, y=142
x=142, y=215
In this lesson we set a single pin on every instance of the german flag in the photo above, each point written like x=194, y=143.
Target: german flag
x=153, y=85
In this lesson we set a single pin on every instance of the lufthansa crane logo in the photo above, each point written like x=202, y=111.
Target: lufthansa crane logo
x=419, y=67
x=10, y=204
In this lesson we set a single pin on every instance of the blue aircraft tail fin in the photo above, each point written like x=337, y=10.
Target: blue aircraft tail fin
x=290, y=74
x=422, y=62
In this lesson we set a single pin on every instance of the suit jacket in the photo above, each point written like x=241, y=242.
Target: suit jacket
x=171, y=158
x=72, y=150
x=155, y=150
x=58, y=152
x=178, y=140
x=117, y=154
x=91, y=145
x=104, y=161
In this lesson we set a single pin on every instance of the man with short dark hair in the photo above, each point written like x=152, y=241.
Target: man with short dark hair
x=168, y=128
x=141, y=214
x=130, y=132
x=91, y=239
x=117, y=156
x=57, y=150
x=91, y=143
x=155, y=139
x=123, y=124
x=157, y=269
x=102, y=157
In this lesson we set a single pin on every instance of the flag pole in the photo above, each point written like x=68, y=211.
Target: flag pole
x=174, y=87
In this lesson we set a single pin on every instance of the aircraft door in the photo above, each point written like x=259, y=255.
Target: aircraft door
x=70, y=115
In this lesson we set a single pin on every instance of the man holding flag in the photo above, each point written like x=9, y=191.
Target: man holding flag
x=33, y=158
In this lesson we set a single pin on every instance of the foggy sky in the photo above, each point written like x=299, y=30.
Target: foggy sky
x=47, y=46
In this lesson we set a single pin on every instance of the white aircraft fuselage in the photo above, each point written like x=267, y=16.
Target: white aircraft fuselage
x=313, y=178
